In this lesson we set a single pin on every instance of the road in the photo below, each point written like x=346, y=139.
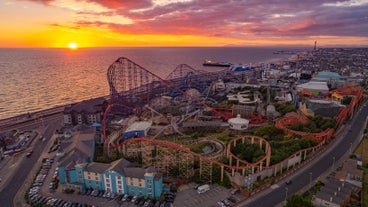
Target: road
x=305, y=177
x=26, y=164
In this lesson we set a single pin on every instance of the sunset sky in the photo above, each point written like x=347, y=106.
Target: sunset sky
x=126, y=23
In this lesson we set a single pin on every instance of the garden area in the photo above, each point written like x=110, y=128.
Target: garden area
x=316, y=124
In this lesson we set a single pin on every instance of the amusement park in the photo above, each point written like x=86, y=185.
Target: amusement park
x=235, y=128
x=229, y=134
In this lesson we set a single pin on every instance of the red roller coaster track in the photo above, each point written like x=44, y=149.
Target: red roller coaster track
x=187, y=150
x=143, y=76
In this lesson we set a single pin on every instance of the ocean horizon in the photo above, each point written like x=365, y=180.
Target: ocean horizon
x=35, y=79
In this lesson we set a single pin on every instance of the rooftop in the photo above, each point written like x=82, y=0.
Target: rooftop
x=314, y=85
x=78, y=149
x=139, y=125
x=334, y=191
x=88, y=106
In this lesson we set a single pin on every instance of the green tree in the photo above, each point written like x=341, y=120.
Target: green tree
x=270, y=132
x=298, y=201
x=346, y=100
x=249, y=152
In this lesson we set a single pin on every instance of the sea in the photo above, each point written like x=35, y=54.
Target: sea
x=37, y=79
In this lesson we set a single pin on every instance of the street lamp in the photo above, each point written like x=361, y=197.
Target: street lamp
x=351, y=147
x=286, y=193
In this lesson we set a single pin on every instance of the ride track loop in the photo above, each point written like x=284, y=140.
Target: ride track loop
x=132, y=85
x=240, y=166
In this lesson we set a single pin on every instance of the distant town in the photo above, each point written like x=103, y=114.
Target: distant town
x=231, y=137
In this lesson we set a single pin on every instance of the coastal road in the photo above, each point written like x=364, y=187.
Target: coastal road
x=305, y=177
x=26, y=164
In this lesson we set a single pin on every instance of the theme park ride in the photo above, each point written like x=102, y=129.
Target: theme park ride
x=134, y=89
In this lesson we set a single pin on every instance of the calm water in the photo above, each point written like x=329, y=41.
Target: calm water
x=37, y=79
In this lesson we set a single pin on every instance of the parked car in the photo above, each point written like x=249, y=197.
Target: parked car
x=146, y=204
x=139, y=199
x=134, y=199
x=29, y=153
x=125, y=197
x=141, y=202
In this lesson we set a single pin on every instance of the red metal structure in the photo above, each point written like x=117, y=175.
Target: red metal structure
x=133, y=86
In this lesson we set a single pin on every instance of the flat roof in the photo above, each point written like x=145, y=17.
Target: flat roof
x=314, y=85
x=139, y=125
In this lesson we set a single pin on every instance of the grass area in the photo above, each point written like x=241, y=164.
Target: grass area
x=363, y=150
x=198, y=148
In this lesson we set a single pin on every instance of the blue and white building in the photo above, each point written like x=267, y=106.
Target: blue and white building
x=117, y=177
x=78, y=171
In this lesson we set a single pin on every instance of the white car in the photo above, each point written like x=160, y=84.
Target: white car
x=125, y=197
x=134, y=199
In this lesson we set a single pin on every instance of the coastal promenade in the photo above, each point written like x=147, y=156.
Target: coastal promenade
x=17, y=121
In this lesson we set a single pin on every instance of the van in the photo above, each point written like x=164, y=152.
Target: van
x=203, y=188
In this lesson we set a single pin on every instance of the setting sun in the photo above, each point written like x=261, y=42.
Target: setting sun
x=73, y=45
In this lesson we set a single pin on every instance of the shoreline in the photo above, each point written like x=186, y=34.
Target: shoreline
x=24, y=116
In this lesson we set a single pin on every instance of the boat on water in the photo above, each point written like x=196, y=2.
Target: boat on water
x=216, y=64
x=287, y=52
x=238, y=68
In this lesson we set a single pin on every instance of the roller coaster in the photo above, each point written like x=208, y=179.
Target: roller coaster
x=134, y=88
x=166, y=156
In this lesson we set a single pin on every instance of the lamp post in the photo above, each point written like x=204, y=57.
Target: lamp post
x=286, y=193
x=351, y=147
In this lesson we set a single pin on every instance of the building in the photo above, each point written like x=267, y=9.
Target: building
x=85, y=112
x=117, y=177
x=77, y=170
x=313, y=87
x=335, y=193
x=137, y=129
x=73, y=154
x=238, y=123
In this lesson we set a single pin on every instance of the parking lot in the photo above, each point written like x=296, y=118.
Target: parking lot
x=189, y=197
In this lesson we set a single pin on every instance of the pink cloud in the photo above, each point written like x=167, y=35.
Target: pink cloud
x=262, y=18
